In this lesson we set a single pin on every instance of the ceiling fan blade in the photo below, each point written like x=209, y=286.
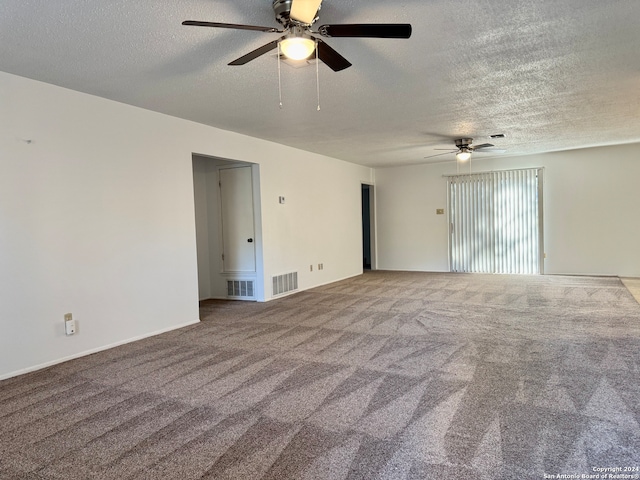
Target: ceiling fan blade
x=439, y=154
x=330, y=57
x=367, y=30
x=484, y=145
x=256, y=53
x=304, y=11
x=235, y=26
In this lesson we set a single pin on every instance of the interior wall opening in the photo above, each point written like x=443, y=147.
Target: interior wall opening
x=228, y=229
x=368, y=227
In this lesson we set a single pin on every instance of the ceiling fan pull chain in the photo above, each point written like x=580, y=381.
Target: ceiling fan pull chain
x=279, y=79
x=317, y=76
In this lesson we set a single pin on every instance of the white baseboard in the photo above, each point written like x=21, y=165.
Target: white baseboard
x=93, y=350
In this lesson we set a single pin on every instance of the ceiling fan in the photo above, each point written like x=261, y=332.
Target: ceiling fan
x=464, y=149
x=299, y=42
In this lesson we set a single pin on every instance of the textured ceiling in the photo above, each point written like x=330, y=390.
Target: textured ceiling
x=550, y=75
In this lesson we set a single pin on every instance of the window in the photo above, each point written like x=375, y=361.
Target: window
x=496, y=222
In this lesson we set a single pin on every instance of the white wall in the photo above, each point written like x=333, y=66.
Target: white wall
x=591, y=211
x=320, y=221
x=201, y=173
x=97, y=218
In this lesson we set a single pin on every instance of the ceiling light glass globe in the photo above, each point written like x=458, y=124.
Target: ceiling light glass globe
x=463, y=156
x=297, y=48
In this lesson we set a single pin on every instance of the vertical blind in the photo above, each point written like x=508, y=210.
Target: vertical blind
x=496, y=222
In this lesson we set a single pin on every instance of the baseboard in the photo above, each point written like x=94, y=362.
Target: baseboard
x=93, y=350
x=214, y=298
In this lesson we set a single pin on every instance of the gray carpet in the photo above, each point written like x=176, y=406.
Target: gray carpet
x=388, y=375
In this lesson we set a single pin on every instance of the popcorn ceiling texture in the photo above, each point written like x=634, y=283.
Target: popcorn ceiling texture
x=388, y=375
x=550, y=75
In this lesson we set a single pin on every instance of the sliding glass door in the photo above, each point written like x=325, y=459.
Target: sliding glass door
x=496, y=222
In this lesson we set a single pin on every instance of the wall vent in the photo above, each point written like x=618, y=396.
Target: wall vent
x=285, y=283
x=240, y=289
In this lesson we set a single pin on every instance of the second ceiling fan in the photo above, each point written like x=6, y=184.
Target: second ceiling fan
x=464, y=149
x=300, y=41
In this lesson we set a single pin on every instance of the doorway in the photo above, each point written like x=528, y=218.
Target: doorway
x=368, y=219
x=228, y=233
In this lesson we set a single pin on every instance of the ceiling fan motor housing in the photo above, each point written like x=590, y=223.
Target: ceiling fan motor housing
x=282, y=9
x=464, y=142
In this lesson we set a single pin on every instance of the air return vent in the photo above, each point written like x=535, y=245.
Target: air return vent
x=285, y=283
x=240, y=289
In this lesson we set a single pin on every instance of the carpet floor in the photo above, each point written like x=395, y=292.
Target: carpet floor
x=388, y=375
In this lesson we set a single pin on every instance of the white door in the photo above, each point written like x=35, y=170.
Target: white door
x=236, y=200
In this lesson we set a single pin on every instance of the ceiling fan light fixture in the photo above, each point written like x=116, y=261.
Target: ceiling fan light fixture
x=463, y=155
x=297, y=47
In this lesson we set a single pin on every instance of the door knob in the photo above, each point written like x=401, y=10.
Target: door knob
x=250, y=240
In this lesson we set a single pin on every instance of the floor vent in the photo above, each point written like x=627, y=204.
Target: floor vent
x=240, y=288
x=285, y=283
